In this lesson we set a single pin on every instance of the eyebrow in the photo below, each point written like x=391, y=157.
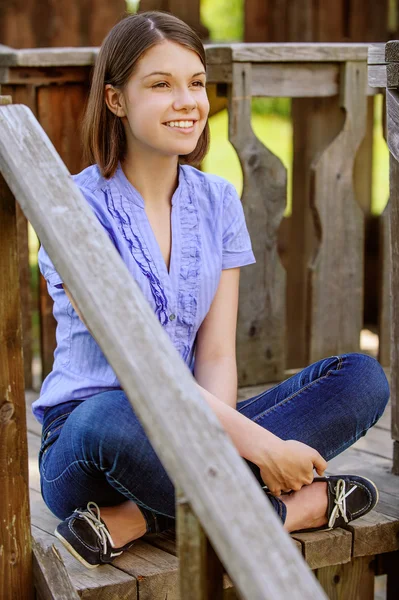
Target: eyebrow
x=170, y=74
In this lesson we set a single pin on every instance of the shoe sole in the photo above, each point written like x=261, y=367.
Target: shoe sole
x=72, y=551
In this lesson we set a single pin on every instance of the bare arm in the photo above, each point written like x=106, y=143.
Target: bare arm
x=215, y=357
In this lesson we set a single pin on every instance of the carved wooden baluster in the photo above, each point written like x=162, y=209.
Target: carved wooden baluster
x=261, y=324
x=336, y=273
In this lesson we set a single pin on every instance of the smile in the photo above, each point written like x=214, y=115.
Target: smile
x=181, y=124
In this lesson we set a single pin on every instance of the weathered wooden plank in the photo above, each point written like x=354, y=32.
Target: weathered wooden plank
x=377, y=442
x=105, y=583
x=324, y=548
x=335, y=316
x=45, y=75
x=156, y=571
x=24, y=94
x=48, y=57
x=393, y=144
x=200, y=570
x=377, y=469
x=261, y=323
x=34, y=447
x=354, y=580
x=384, y=289
x=377, y=76
x=374, y=533
x=376, y=54
x=287, y=52
x=316, y=123
x=32, y=424
x=392, y=51
x=15, y=555
x=294, y=79
x=50, y=575
x=257, y=553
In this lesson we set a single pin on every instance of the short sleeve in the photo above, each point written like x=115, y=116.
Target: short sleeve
x=237, y=248
x=47, y=269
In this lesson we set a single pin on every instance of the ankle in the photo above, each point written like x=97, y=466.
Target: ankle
x=124, y=522
x=307, y=508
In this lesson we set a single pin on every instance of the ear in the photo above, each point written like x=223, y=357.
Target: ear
x=114, y=100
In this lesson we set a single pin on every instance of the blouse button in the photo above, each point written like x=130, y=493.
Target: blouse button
x=172, y=317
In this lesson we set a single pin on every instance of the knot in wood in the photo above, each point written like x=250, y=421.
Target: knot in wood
x=6, y=412
x=212, y=471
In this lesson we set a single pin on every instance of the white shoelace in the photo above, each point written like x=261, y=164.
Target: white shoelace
x=340, y=503
x=97, y=525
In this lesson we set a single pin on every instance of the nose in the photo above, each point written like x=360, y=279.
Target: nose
x=184, y=99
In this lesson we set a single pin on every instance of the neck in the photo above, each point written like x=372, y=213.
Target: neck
x=154, y=177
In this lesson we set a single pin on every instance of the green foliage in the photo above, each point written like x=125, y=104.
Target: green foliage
x=224, y=19
x=272, y=106
x=132, y=6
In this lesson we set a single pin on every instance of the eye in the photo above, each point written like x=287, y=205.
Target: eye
x=160, y=85
x=199, y=83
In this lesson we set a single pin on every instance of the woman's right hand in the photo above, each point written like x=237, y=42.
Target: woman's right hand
x=288, y=465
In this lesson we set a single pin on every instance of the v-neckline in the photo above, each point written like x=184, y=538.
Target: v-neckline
x=138, y=199
x=157, y=247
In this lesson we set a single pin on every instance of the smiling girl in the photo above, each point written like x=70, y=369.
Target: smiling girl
x=183, y=237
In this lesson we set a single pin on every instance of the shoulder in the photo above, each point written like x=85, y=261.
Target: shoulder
x=90, y=179
x=213, y=186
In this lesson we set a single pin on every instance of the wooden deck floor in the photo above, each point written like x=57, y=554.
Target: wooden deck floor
x=149, y=570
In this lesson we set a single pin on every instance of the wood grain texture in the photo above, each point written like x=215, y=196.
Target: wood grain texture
x=316, y=124
x=15, y=555
x=259, y=555
x=200, y=570
x=261, y=322
x=384, y=289
x=105, y=583
x=50, y=575
x=376, y=54
x=336, y=273
x=374, y=534
x=350, y=581
x=323, y=548
x=393, y=144
x=287, y=52
x=377, y=76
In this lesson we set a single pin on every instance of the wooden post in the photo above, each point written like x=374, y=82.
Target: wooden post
x=200, y=570
x=392, y=59
x=15, y=538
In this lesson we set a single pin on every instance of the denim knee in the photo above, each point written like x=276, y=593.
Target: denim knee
x=372, y=386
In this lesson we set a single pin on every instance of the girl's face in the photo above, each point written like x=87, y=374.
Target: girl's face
x=164, y=106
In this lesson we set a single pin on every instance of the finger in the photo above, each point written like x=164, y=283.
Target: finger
x=320, y=464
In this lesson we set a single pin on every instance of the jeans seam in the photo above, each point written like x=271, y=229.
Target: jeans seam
x=303, y=389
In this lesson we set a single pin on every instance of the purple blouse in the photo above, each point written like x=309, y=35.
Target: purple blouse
x=208, y=234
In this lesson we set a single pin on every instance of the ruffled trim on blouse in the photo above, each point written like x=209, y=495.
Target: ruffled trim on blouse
x=189, y=277
x=139, y=251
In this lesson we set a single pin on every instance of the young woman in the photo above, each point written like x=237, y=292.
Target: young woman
x=183, y=237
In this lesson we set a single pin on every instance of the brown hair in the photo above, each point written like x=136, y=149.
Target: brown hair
x=104, y=139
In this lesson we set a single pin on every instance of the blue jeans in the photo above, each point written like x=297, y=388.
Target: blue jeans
x=96, y=449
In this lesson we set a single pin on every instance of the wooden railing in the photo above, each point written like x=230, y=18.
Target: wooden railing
x=304, y=297
x=217, y=494
x=384, y=72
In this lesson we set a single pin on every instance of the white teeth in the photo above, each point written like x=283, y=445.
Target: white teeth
x=182, y=124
